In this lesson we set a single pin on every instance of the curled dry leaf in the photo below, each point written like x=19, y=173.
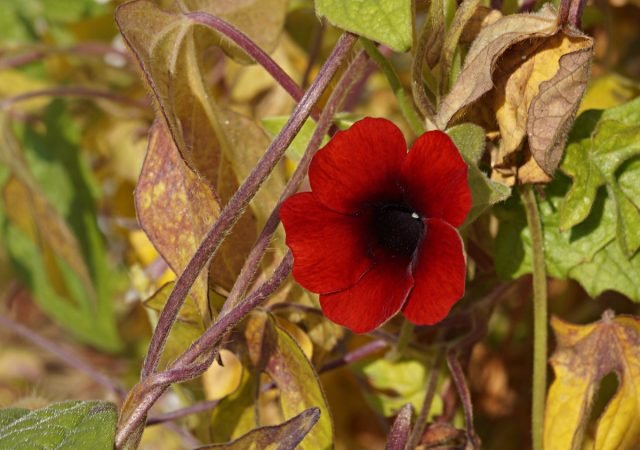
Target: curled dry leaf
x=584, y=356
x=536, y=74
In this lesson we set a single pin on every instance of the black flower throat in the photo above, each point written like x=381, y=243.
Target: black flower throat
x=398, y=228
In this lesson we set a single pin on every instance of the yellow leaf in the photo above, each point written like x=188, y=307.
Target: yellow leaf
x=221, y=380
x=586, y=354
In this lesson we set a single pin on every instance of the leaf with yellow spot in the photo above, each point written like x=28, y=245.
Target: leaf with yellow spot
x=584, y=356
x=175, y=207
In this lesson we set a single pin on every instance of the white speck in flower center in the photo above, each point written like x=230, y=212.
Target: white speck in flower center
x=415, y=215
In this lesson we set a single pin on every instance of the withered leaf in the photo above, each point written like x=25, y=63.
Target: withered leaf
x=536, y=73
x=585, y=354
x=221, y=146
x=175, y=208
x=476, y=77
x=285, y=436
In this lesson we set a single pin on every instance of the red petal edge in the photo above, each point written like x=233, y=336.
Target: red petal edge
x=329, y=249
x=439, y=274
x=376, y=298
x=435, y=177
x=359, y=165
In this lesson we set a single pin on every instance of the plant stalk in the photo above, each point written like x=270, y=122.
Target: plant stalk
x=539, y=317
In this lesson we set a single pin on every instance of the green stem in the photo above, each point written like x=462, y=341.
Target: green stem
x=404, y=339
x=539, y=318
x=407, y=107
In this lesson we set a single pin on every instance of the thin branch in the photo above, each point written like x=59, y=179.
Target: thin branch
x=465, y=396
x=232, y=211
x=539, y=317
x=65, y=356
x=74, y=91
x=432, y=384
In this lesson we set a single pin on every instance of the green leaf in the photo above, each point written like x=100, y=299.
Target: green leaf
x=470, y=140
x=54, y=241
x=278, y=355
x=601, y=143
x=587, y=253
x=286, y=435
x=391, y=385
x=66, y=426
x=386, y=21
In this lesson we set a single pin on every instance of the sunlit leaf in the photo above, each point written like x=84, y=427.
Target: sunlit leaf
x=584, y=355
x=588, y=253
x=284, y=436
x=272, y=349
x=604, y=141
x=384, y=21
x=65, y=426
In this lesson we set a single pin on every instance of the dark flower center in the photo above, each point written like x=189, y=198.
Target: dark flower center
x=398, y=228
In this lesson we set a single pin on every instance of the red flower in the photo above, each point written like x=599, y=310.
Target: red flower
x=376, y=235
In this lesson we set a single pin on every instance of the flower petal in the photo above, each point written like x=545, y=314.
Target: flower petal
x=359, y=165
x=435, y=177
x=329, y=249
x=374, y=299
x=439, y=274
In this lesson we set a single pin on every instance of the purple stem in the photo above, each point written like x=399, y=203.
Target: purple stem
x=149, y=391
x=324, y=123
x=65, y=356
x=232, y=211
x=465, y=396
x=259, y=55
x=421, y=421
x=74, y=91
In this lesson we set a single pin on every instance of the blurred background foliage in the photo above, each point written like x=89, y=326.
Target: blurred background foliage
x=76, y=267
